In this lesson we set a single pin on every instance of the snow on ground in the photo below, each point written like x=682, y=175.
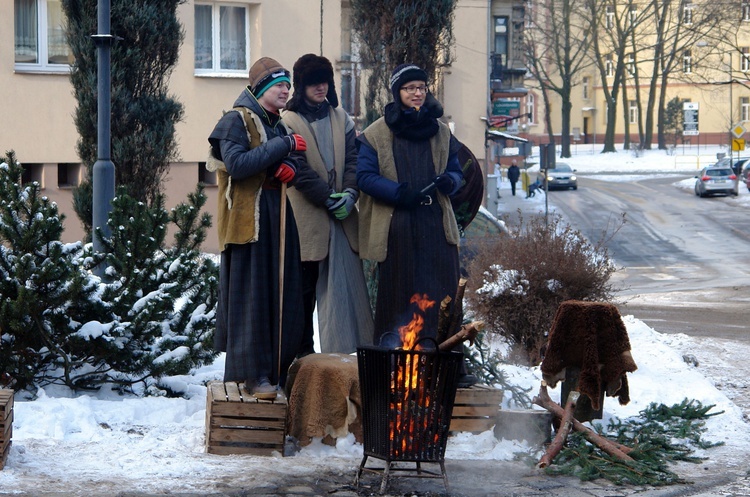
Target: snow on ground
x=72, y=443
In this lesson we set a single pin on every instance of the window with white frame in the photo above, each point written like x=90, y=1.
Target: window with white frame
x=687, y=12
x=585, y=85
x=745, y=59
x=530, y=110
x=609, y=19
x=632, y=112
x=687, y=62
x=745, y=11
x=630, y=64
x=745, y=108
x=609, y=66
x=633, y=13
x=221, y=38
x=39, y=37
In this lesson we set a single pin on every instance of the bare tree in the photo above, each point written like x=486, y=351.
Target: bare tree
x=556, y=47
x=393, y=32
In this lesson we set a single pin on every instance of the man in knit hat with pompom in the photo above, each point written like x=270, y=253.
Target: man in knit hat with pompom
x=326, y=213
x=253, y=154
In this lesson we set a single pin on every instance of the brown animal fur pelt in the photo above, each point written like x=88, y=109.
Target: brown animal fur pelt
x=592, y=337
x=324, y=398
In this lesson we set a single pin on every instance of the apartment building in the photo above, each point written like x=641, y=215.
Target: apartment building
x=710, y=75
x=37, y=94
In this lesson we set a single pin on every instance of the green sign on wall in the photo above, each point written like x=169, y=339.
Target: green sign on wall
x=505, y=107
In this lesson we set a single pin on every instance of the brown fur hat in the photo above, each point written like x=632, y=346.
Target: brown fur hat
x=311, y=69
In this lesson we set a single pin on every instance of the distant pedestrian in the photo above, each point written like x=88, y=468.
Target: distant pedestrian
x=513, y=174
x=533, y=187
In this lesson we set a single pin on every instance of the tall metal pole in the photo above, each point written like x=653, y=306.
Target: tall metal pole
x=104, y=169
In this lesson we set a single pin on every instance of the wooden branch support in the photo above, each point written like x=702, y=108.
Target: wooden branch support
x=468, y=332
x=614, y=449
x=562, y=433
x=457, y=313
x=444, y=319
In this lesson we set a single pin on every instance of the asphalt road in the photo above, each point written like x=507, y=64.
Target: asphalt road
x=681, y=258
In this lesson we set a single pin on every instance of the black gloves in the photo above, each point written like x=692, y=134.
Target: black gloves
x=444, y=183
x=408, y=198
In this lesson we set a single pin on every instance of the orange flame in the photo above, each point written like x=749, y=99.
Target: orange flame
x=407, y=376
x=410, y=332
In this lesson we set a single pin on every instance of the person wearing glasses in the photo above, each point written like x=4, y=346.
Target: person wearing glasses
x=407, y=169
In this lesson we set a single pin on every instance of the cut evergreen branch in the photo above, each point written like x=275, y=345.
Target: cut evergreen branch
x=659, y=435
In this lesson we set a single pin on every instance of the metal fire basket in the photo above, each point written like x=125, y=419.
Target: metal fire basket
x=407, y=403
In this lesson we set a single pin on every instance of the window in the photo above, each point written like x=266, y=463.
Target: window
x=501, y=37
x=205, y=176
x=68, y=175
x=31, y=173
x=744, y=59
x=610, y=17
x=687, y=62
x=745, y=108
x=586, y=81
x=40, y=36
x=630, y=64
x=609, y=66
x=530, y=110
x=746, y=11
x=632, y=112
x=633, y=13
x=221, y=39
x=687, y=12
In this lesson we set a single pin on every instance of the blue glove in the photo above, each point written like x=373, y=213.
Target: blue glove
x=342, y=204
x=444, y=183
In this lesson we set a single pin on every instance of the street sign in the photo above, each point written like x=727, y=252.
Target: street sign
x=738, y=145
x=738, y=130
x=690, y=119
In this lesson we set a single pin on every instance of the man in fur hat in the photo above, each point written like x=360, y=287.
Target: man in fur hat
x=325, y=212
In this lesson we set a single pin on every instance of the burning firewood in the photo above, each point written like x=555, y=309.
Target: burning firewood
x=614, y=449
x=562, y=433
x=468, y=332
x=450, y=316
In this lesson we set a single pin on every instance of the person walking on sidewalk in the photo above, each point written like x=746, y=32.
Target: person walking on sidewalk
x=513, y=174
x=253, y=153
x=325, y=211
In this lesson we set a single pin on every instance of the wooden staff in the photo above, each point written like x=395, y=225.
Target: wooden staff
x=282, y=252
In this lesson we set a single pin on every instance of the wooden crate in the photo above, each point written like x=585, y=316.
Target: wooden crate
x=238, y=423
x=6, y=424
x=476, y=408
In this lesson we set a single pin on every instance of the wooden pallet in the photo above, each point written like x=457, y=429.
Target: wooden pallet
x=475, y=409
x=238, y=423
x=6, y=424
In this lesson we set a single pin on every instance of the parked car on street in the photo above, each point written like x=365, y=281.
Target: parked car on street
x=716, y=179
x=738, y=164
x=747, y=180
x=560, y=177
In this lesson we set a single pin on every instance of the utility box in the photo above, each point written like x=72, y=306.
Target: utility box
x=493, y=194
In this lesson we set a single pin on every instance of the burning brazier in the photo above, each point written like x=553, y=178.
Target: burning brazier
x=407, y=403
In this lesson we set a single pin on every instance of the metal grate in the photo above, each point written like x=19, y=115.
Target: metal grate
x=407, y=403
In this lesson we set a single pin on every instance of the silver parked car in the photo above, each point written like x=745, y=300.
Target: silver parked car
x=560, y=177
x=716, y=179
